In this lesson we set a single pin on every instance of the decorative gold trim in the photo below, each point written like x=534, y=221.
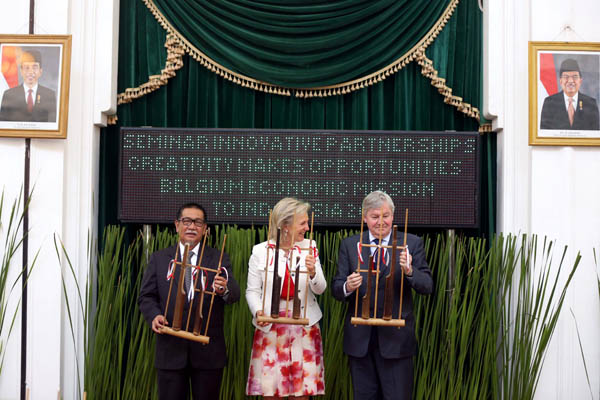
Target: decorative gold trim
x=174, y=62
x=112, y=119
x=440, y=83
x=177, y=45
x=485, y=128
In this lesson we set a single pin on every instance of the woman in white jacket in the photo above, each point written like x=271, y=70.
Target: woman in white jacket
x=287, y=360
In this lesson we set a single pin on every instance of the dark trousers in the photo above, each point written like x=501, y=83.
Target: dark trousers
x=174, y=384
x=375, y=378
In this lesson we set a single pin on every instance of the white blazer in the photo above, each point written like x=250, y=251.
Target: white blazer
x=256, y=278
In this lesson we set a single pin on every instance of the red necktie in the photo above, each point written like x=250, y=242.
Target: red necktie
x=571, y=111
x=30, y=101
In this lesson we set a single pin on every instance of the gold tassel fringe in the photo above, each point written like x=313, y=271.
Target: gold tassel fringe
x=440, y=83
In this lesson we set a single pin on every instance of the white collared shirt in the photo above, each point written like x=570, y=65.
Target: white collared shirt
x=33, y=93
x=384, y=242
x=193, y=261
x=574, y=101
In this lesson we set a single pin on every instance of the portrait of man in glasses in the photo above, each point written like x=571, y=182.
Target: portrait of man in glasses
x=570, y=109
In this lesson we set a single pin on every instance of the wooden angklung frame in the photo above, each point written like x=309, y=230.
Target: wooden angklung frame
x=294, y=269
x=373, y=271
x=195, y=307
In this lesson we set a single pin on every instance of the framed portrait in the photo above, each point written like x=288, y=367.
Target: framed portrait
x=564, y=93
x=34, y=85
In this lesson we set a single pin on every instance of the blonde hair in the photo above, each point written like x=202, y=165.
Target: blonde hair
x=283, y=214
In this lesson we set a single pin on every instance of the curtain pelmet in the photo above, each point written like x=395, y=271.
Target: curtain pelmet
x=319, y=53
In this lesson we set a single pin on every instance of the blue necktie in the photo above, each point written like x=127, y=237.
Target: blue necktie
x=376, y=255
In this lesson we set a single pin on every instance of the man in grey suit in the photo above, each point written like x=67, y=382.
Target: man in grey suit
x=381, y=357
x=30, y=101
x=181, y=363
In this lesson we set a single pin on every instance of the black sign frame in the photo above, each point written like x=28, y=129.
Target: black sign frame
x=415, y=141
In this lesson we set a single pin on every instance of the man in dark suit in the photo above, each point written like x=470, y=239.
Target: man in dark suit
x=181, y=362
x=570, y=109
x=381, y=357
x=30, y=101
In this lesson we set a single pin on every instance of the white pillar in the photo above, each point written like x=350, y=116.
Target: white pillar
x=546, y=190
x=64, y=175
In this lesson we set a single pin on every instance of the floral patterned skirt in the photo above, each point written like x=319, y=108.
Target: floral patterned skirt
x=287, y=361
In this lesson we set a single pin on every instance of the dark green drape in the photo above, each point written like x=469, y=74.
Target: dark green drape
x=196, y=97
x=301, y=43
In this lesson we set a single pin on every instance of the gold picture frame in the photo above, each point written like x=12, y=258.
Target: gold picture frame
x=564, y=94
x=34, y=85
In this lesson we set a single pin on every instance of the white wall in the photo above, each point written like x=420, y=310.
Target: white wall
x=64, y=174
x=546, y=190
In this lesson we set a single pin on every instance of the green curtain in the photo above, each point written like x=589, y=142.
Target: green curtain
x=196, y=97
x=301, y=43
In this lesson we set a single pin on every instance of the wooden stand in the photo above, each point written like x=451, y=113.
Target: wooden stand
x=282, y=320
x=185, y=335
x=377, y=322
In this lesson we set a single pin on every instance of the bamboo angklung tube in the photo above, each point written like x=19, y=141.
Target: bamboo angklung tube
x=180, y=293
x=276, y=292
x=388, y=299
x=366, y=300
x=195, y=281
x=212, y=295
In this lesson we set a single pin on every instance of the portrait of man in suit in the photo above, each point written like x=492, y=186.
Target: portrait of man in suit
x=30, y=101
x=570, y=109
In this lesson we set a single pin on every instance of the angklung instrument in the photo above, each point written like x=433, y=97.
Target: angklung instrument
x=199, y=289
x=294, y=269
x=373, y=273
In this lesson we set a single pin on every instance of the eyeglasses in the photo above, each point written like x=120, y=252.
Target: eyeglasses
x=188, y=221
x=575, y=78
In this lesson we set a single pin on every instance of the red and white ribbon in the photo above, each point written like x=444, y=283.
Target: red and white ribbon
x=359, y=251
x=170, y=270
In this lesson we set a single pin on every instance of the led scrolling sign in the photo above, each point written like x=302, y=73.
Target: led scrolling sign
x=239, y=174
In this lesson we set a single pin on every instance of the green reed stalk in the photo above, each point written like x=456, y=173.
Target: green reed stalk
x=482, y=334
x=12, y=241
x=83, y=301
x=530, y=281
x=238, y=328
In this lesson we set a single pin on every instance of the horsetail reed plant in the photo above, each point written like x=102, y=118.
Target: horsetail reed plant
x=122, y=348
x=473, y=341
x=482, y=334
x=11, y=244
x=455, y=325
x=238, y=328
x=338, y=384
x=528, y=325
x=85, y=305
